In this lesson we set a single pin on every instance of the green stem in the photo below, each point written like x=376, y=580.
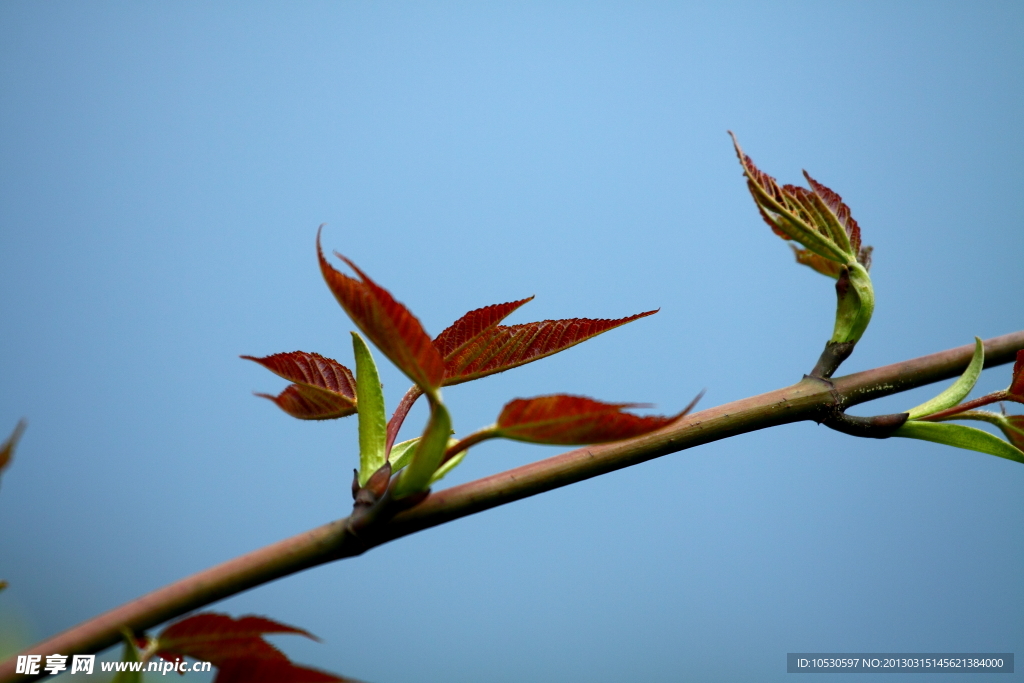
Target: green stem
x=809, y=399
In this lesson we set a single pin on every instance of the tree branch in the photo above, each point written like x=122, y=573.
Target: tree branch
x=809, y=399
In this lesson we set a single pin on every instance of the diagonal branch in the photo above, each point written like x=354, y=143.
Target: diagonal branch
x=809, y=399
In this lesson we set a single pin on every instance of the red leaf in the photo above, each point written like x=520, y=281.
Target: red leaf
x=839, y=209
x=324, y=388
x=218, y=638
x=504, y=347
x=255, y=671
x=575, y=420
x=8, y=446
x=237, y=648
x=311, y=369
x=471, y=326
x=1017, y=382
x=807, y=216
x=388, y=324
x=306, y=403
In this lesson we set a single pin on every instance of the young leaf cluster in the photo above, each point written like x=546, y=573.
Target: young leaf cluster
x=817, y=218
x=474, y=346
x=929, y=421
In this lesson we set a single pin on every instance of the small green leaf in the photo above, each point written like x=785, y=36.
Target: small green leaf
x=401, y=454
x=958, y=390
x=960, y=437
x=428, y=453
x=450, y=465
x=372, y=419
x=1012, y=426
x=130, y=655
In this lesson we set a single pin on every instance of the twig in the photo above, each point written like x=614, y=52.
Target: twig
x=810, y=399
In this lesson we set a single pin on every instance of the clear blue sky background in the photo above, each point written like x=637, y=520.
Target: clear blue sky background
x=163, y=169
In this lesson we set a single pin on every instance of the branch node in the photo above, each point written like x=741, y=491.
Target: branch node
x=831, y=358
x=876, y=427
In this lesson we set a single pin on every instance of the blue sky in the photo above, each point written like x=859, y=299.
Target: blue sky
x=163, y=170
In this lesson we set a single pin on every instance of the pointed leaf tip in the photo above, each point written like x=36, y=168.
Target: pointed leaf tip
x=386, y=322
x=237, y=648
x=960, y=436
x=8, y=446
x=844, y=228
x=219, y=638
x=310, y=369
x=472, y=326
x=958, y=390
x=503, y=347
x=372, y=414
x=817, y=217
x=323, y=388
x=567, y=420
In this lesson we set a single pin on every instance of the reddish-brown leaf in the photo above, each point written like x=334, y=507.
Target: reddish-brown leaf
x=388, y=324
x=1017, y=382
x=311, y=369
x=218, y=638
x=324, y=389
x=807, y=216
x=763, y=187
x=504, y=347
x=774, y=200
x=574, y=420
x=237, y=648
x=817, y=263
x=308, y=403
x=256, y=671
x=8, y=446
x=471, y=326
x=840, y=210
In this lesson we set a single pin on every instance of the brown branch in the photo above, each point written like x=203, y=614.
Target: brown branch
x=810, y=399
